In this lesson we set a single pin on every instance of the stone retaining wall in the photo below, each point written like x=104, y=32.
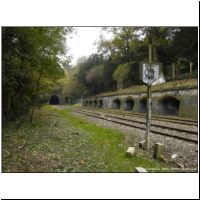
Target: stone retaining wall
x=187, y=98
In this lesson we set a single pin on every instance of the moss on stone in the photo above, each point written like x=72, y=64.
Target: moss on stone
x=172, y=85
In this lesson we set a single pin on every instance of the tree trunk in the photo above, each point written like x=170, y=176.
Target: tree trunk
x=34, y=96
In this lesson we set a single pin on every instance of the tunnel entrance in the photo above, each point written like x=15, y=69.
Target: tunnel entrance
x=169, y=106
x=116, y=104
x=128, y=105
x=100, y=103
x=54, y=100
x=95, y=103
x=143, y=105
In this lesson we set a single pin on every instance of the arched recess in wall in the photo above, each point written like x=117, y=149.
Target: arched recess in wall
x=100, y=103
x=142, y=107
x=86, y=103
x=168, y=106
x=54, y=100
x=95, y=103
x=116, y=104
x=90, y=103
x=129, y=104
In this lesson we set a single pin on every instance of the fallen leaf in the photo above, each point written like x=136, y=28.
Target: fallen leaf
x=82, y=161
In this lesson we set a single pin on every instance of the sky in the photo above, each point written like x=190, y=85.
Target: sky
x=82, y=42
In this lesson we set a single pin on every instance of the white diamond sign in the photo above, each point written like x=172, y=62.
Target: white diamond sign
x=150, y=73
x=160, y=80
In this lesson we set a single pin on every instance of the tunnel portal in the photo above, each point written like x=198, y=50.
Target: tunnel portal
x=54, y=100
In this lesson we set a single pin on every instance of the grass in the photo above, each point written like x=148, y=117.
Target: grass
x=58, y=141
x=171, y=85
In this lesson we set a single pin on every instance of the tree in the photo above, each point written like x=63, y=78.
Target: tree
x=95, y=78
x=31, y=62
x=185, y=44
x=121, y=54
x=84, y=67
x=121, y=74
x=158, y=36
x=121, y=47
x=69, y=85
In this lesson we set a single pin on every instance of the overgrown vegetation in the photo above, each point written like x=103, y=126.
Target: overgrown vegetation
x=57, y=141
x=120, y=56
x=177, y=84
x=32, y=60
x=121, y=74
x=35, y=63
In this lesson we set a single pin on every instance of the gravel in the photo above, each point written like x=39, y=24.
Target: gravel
x=186, y=152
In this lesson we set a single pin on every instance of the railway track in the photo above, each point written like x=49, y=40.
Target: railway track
x=173, y=119
x=178, y=133
x=154, y=124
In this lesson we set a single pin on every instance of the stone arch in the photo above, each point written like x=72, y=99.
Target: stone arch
x=142, y=107
x=54, y=100
x=95, y=103
x=100, y=103
x=128, y=103
x=90, y=103
x=116, y=104
x=169, y=105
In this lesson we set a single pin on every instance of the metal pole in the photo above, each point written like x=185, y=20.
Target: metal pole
x=148, y=117
x=148, y=114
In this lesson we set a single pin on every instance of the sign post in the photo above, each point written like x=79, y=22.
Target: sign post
x=148, y=115
x=151, y=74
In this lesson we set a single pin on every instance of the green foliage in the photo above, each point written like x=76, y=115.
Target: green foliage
x=90, y=73
x=177, y=84
x=95, y=74
x=130, y=45
x=31, y=64
x=186, y=44
x=121, y=47
x=95, y=78
x=122, y=72
x=69, y=85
